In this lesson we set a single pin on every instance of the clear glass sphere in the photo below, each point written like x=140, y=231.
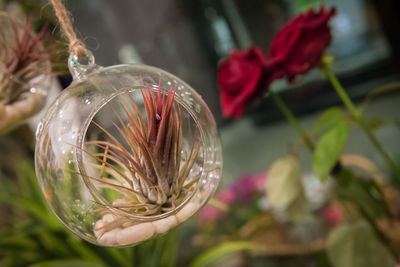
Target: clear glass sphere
x=126, y=153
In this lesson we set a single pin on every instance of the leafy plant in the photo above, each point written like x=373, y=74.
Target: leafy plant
x=214, y=254
x=33, y=235
x=246, y=75
x=22, y=60
x=356, y=245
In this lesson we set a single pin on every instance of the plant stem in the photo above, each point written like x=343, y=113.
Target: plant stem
x=218, y=204
x=292, y=120
x=379, y=234
x=359, y=119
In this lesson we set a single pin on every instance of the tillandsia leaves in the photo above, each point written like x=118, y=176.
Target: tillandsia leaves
x=149, y=172
x=22, y=59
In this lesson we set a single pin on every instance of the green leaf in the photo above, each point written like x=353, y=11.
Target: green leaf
x=82, y=249
x=303, y=5
x=36, y=210
x=220, y=251
x=284, y=182
x=16, y=242
x=328, y=119
x=345, y=177
x=364, y=193
x=40, y=238
x=51, y=242
x=328, y=150
x=27, y=181
x=356, y=245
x=67, y=263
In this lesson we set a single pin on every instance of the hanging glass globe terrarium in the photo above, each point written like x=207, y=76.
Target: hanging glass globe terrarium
x=126, y=152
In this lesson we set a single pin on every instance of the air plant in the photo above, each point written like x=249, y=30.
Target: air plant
x=149, y=172
x=25, y=70
x=22, y=60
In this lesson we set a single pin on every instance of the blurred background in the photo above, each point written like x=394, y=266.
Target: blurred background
x=189, y=38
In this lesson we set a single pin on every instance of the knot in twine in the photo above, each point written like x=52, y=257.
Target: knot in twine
x=76, y=46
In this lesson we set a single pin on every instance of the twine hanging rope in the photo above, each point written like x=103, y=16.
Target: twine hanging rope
x=76, y=46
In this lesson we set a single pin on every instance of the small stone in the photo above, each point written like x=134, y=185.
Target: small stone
x=135, y=234
x=99, y=224
x=97, y=228
x=108, y=218
x=188, y=210
x=109, y=238
x=163, y=225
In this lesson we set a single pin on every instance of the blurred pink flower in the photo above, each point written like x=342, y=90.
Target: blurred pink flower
x=245, y=187
x=241, y=191
x=333, y=214
x=210, y=213
x=226, y=196
x=259, y=181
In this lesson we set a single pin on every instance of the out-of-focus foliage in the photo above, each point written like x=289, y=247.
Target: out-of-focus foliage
x=302, y=5
x=220, y=251
x=33, y=235
x=328, y=150
x=356, y=245
x=284, y=176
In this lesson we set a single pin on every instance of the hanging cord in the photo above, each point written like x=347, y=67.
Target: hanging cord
x=76, y=46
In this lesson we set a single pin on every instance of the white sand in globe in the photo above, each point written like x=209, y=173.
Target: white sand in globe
x=120, y=236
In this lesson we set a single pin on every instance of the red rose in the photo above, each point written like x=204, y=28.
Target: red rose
x=241, y=78
x=299, y=46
